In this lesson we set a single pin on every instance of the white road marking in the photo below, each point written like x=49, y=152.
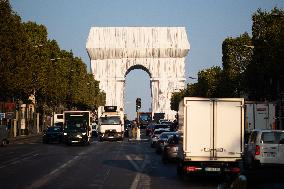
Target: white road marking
x=45, y=179
x=139, y=175
x=18, y=160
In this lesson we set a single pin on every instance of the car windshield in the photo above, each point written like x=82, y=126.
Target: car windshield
x=76, y=125
x=166, y=135
x=114, y=120
x=272, y=137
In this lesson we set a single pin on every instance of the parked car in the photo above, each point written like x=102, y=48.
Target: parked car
x=156, y=134
x=162, y=140
x=265, y=147
x=52, y=134
x=170, y=149
x=4, y=135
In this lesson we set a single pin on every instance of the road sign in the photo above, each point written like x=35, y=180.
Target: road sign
x=2, y=115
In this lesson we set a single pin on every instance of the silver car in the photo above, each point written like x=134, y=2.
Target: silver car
x=163, y=140
x=155, y=136
x=171, y=149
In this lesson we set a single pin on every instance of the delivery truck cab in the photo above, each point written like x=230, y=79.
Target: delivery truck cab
x=77, y=127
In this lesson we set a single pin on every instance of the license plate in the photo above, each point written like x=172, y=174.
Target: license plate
x=270, y=154
x=213, y=169
x=110, y=137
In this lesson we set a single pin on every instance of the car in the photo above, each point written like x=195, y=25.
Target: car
x=149, y=129
x=158, y=126
x=163, y=120
x=127, y=128
x=155, y=136
x=171, y=149
x=264, y=148
x=162, y=140
x=52, y=134
x=4, y=135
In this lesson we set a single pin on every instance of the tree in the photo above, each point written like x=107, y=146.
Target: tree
x=237, y=55
x=14, y=56
x=176, y=98
x=267, y=64
x=209, y=82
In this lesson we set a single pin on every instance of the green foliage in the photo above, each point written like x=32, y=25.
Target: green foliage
x=30, y=63
x=267, y=64
x=176, y=98
x=237, y=55
x=252, y=67
x=14, y=55
x=208, y=81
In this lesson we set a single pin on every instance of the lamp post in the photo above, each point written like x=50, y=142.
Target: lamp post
x=54, y=73
x=35, y=80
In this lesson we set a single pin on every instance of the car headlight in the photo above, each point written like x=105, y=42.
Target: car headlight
x=79, y=136
x=64, y=134
x=84, y=133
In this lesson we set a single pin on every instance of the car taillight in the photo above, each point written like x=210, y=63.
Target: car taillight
x=257, y=150
x=235, y=170
x=192, y=168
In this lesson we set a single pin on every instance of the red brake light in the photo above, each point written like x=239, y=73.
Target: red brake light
x=257, y=150
x=235, y=170
x=192, y=168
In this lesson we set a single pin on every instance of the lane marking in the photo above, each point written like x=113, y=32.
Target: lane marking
x=18, y=160
x=140, y=174
x=53, y=174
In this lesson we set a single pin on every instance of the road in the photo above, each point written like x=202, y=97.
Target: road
x=127, y=164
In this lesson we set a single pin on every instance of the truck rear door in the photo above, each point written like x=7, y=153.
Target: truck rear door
x=228, y=130
x=198, y=115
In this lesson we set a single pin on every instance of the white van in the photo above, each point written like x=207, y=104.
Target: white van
x=265, y=147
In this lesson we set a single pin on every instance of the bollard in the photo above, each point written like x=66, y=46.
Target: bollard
x=138, y=134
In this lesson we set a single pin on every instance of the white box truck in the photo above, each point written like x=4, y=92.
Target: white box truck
x=260, y=115
x=212, y=136
x=110, y=123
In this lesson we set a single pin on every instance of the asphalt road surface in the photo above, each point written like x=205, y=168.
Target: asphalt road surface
x=30, y=164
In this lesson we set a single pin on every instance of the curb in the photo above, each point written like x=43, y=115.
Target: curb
x=22, y=137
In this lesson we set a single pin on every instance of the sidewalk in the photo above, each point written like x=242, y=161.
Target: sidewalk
x=13, y=140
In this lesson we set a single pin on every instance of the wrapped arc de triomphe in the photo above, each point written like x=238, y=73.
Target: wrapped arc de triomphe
x=160, y=51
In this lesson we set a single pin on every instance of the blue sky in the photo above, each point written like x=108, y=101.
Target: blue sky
x=207, y=23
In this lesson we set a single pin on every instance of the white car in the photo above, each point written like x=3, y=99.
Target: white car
x=265, y=147
x=156, y=134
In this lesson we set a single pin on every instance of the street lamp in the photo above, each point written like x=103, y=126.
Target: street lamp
x=249, y=46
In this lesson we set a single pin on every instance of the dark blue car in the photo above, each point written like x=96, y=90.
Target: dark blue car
x=52, y=134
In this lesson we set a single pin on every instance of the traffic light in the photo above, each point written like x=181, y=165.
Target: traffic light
x=138, y=103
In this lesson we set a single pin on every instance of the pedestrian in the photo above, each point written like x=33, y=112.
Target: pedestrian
x=134, y=129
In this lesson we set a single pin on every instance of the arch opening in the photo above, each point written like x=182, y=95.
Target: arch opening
x=137, y=85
